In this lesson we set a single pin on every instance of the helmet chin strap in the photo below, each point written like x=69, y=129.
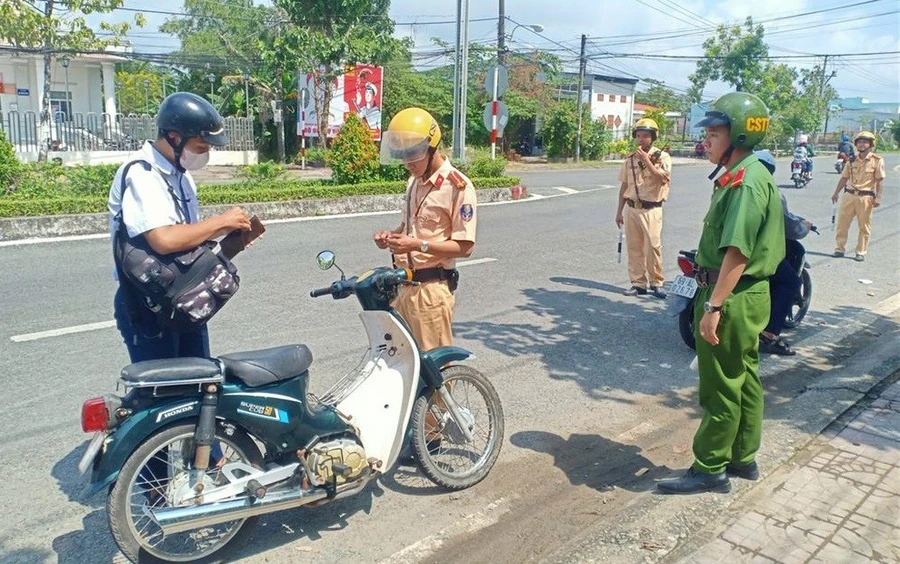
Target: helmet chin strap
x=722, y=161
x=178, y=149
x=428, y=171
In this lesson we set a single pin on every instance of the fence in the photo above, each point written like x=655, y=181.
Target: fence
x=104, y=132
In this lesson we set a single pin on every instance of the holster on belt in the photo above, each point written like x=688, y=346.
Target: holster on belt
x=706, y=276
x=451, y=276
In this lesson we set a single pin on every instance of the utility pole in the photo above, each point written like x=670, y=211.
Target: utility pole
x=581, y=69
x=822, y=89
x=279, y=99
x=501, y=34
x=461, y=80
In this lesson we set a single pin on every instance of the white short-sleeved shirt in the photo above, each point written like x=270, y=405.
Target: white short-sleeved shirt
x=148, y=203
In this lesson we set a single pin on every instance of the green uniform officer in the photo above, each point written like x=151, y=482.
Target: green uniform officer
x=740, y=247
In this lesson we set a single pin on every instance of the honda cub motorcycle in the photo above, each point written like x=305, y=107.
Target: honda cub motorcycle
x=197, y=446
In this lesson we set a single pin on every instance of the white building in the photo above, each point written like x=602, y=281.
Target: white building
x=610, y=99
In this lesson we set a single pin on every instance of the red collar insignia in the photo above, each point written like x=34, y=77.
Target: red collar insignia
x=729, y=180
x=723, y=180
x=738, y=179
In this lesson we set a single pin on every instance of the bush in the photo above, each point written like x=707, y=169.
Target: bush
x=392, y=172
x=353, y=157
x=315, y=156
x=241, y=193
x=595, y=140
x=10, y=167
x=484, y=166
x=622, y=146
x=262, y=171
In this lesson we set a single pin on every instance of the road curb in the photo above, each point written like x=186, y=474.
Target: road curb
x=49, y=226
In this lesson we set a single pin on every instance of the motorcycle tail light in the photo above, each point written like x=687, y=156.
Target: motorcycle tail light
x=685, y=265
x=94, y=415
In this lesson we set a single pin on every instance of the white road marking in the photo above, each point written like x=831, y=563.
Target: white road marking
x=532, y=197
x=63, y=331
x=473, y=262
x=421, y=550
x=565, y=190
x=109, y=324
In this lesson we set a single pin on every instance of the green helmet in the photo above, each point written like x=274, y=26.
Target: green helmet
x=744, y=113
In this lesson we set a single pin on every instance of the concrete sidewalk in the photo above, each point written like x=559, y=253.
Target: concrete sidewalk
x=837, y=500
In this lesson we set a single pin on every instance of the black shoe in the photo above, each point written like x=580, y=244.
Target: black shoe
x=696, y=482
x=775, y=346
x=838, y=254
x=658, y=292
x=747, y=471
x=635, y=291
x=860, y=258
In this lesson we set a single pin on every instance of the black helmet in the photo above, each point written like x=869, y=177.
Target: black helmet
x=190, y=115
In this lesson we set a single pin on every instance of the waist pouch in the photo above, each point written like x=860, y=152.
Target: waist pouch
x=183, y=290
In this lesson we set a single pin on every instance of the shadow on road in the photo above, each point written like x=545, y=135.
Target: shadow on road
x=593, y=460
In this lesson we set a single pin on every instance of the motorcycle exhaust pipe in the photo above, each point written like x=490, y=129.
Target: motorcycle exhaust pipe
x=180, y=519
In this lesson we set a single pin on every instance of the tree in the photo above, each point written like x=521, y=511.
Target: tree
x=131, y=94
x=321, y=36
x=734, y=55
x=54, y=33
x=659, y=95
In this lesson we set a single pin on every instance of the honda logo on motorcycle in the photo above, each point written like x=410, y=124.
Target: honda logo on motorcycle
x=163, y=415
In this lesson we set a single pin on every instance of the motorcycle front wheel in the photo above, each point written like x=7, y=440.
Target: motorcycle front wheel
x=442, y=452
x=156, y=476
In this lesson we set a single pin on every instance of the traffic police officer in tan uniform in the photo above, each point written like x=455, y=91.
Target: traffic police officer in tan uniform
x=437, y=226
x=862, y=182
x=644, y=180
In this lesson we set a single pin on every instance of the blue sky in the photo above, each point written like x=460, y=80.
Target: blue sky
x=610, y=23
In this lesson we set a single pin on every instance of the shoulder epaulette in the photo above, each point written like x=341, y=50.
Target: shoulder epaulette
x=457, y=179
x=738, y=179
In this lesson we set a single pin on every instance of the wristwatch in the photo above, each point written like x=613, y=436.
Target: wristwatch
x=423, y=246
x=709, y=308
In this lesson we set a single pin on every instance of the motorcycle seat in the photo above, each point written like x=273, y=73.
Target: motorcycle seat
x=170, y=372
x=267, y=366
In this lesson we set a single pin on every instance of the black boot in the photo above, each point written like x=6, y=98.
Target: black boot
x=635, y=291
x=696, y=482
x=747, y=471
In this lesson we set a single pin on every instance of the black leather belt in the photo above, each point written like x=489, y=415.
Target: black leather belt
x=709, y=276
x=860, y=192
x=642, y=205
x=433, y=274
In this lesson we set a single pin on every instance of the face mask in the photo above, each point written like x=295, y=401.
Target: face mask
x=194, y=161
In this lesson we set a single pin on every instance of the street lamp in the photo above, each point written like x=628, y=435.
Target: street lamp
x=65, y=64
x=246, y=77
x=146, y=95
x=212, y=79
x=537, y=28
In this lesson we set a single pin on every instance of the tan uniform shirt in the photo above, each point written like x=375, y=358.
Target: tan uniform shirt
x=863, y=174
x=649, y=187
x=443, y=208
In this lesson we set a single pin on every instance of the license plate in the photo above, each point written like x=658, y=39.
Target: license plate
x=93, y=448
x=684, y=286
x=795, y=168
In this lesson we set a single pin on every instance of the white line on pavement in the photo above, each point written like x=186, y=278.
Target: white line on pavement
x=63, y=331
x=38, y=240
x=109, y=324
x=565, y=190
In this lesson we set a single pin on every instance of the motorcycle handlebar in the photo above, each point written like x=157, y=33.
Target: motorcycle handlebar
x=320, y=292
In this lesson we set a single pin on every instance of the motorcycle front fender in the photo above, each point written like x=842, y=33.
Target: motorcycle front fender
x=435, y=359
x=132, y=432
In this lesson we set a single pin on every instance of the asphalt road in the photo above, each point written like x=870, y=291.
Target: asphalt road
x=595, y=386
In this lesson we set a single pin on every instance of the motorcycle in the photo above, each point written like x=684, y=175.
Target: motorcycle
x=841, y=162
x=799, y=174
x=197, y=446
x=684, y=288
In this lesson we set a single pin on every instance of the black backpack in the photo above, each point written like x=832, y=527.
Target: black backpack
x=183, y=290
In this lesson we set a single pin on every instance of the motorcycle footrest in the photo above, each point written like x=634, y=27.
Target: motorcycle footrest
x=255, y=490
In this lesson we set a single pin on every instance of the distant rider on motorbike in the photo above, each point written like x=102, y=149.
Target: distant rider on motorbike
x=805, y=152
x=845, y=147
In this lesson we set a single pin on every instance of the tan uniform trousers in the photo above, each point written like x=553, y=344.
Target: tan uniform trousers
x=860, y=207
x=428, y=310
x=643, y=239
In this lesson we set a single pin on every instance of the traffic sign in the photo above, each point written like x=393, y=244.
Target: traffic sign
x=502, y=117
x=502, y=80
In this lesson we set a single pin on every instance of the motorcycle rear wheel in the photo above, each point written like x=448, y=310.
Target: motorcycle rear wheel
x=801, y=301
x=441, y=452
x=686, y=326
x=138, y=488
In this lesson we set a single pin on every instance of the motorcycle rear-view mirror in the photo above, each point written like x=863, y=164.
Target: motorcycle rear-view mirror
x=325, y=260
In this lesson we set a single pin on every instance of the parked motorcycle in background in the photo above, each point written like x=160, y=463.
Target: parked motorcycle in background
x=197, y=446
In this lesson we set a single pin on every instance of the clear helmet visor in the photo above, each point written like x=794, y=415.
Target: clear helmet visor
x=402, y=147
